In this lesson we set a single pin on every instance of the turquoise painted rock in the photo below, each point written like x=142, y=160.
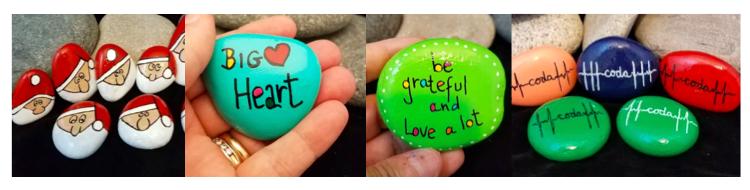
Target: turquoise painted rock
x=262, y=85
x=657, y=126
x=569, y=128
x=442, y=93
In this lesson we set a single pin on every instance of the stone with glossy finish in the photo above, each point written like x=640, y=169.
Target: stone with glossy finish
x=115, y=72
x=569, y=129
x=177, y=47
x=81, y=129
x=657, y=126
x=542, y=74
x=701, y=80
x=146, y=122
x=33, y=97
x=262, y=85
x=156, y=70
x=616, y=68
x=476, y=28
x=73, y=73
x=442, y=93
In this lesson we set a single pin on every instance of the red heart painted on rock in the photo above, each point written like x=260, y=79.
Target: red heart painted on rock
x=277, y=56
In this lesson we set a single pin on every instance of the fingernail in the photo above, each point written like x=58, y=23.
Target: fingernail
x=425, y=162
x=191, y=18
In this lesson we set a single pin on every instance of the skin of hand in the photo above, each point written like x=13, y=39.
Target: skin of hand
x=388, y=156
x=291, y=154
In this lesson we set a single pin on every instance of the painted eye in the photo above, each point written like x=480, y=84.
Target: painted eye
x=151, y=66
x=73, y=119
x=83, y=118
x=145, y=114
x=120, y=71
x=80, y=75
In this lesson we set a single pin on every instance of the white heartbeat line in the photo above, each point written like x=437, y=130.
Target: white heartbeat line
x=593, y=74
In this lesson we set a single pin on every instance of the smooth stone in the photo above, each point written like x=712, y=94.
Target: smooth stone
x=569, y=128
x=423, y=97
x=81, y=129
x=183, y=117
x=476, y=28
x=37, y=37
x=135, y=33
x=701, y=80
x=626, y=68
x=155, y=70
x=382, y=26
x=308, y=25
x=176, y=46
x=33, y=97
x=598, y=26
x=542, y=74
x=350, y=41
x=718, y=35
x=146, y=122
x=115, y=72
x=283, y=73
x=650, y=125
x=564, y=31
x=503, y=26
x=73, y=73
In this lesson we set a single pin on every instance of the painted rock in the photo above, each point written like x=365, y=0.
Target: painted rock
x=73, y=73
x=33, y=97
x=701, y=80
x=542, y=74
x=657, y=126
x=155, y=70
x=115, y=72
x=183, y=117
x=81, y=129
x=442, y=94
x=146, y=122
x=262, y=85
x=176, y=46
x=616, y=68
x=568, y=129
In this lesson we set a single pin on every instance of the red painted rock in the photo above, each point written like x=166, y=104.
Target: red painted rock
x=146, y=122
x=73, y=73
x=115, y=72
x=81, y=129
x=176, y=46
x=701, y=80
x=33, y=97
x=155, y=70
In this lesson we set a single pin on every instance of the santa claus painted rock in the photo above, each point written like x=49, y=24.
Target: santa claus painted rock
x=33, y=97
x=114, y=72
x=146, y=123
x=177, y=45
x=183, y=117
x=701, y=80
x=73, y=73
x=155, y=70
x=81, y=129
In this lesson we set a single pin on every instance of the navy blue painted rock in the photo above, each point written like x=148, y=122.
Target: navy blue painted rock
x=616, y=68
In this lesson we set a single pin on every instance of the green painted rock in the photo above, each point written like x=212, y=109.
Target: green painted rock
x=657, y=126
x=262, y=85
x=569, y=128
x=442, y=94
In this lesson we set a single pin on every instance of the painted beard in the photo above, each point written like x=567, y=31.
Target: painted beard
x=113, y=93
x=25, y=116
x=80, y=146
x=156, y=135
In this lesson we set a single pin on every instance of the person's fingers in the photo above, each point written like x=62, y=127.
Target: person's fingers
x=327, y=52
x=384, y=146
x=192, y=122
x=373, y=123
x=251, y=145
x=425, y=162
x=336, y=83
x=378, y=53
x=204, y=158
x=196, y=90
x=452, y=160
x=294, y=152
x=276, y=26
x=212, y=122
x=202, y=36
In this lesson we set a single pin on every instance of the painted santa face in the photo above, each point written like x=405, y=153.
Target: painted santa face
x=76, y=123
x=81, y=129
x=33, y=97
x=38, y=105
x=157, y=70
x=73, y=73
x=141, y=120
x=154, y=70
x=177, y=47
x=118, y=76
x=81, y=81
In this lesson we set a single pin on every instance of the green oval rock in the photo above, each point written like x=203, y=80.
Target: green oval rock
x=442, y=94
x=657, y=126
x=569, y=128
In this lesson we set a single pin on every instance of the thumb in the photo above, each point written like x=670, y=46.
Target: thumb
x=202, y=36
x=425, y=162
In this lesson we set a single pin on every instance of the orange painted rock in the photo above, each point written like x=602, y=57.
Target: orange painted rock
x=542, y=74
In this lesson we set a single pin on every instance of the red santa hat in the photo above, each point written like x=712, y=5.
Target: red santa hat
x=159, y=53
x=68, y=60
x=178, y=34
x=33, y=83
x=101, y=113
x=109, y=58
x=147, y=102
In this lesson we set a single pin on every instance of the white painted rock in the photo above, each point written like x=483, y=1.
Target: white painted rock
x=33, y=97
x=155, y=70
x=146, y=123
x=81, y=129
x=177, y=47
x=115, y=72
